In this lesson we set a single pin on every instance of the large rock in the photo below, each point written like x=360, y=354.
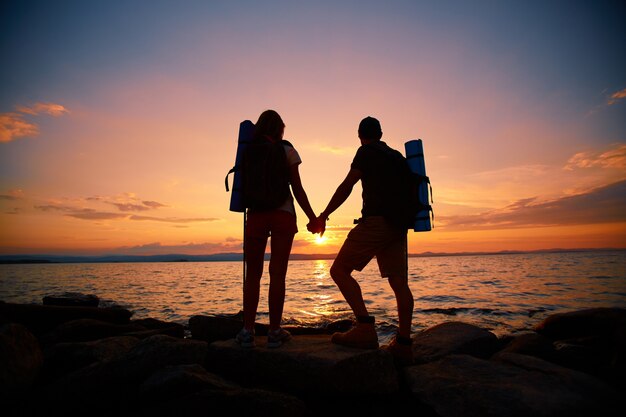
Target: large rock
x=83, y=330
x=71, y=299
x=592, y=341
x=177, y=380
x=515, y=385
x=225, y=327
x=453, y=337
x=235, y=402
x=64, y=358
x=20, y=358
x=119, y=379
x=582, y=323
x=532, y=344
x=306, y=364
x=40, y=319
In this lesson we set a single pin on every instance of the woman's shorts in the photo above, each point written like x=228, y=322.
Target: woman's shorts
x=373, y=236
x=271, y=223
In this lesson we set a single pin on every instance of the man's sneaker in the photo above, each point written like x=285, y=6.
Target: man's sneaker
x=362, y=336
x=245, y=338
x=402, y=352
x=276, y=338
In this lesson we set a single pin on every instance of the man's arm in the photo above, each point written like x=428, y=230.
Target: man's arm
x=342, y=193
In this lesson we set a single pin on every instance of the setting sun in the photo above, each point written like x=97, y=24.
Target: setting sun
x=320, y=240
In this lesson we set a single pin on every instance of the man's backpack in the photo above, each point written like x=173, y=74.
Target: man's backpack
x=265, y=175
x=402, y=203
x=406, y=203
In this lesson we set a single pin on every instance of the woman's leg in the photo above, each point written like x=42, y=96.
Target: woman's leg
x=255, y=252
x=281, y=248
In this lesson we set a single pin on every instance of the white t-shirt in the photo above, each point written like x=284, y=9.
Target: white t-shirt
x=293, y=158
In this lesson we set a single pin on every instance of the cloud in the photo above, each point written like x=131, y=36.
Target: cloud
x=129, y=202
x=601, y=205
x=616, y=97
x=95, y=208
x=177, y=220
x=143, y=206
x=91, y=214
x=13, y=126
x=153, y=204
x=51, y=109
x=611, y=158
x=336, y=150
x=156, y=248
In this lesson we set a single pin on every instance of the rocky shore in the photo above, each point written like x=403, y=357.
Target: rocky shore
x=67, y=356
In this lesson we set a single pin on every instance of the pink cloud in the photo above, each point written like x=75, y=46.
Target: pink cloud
x=616, y=97
x=612, y=158
x=51, y=109
x=13, y=126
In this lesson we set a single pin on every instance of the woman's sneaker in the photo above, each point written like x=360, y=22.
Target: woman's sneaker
x=245, y=338
x=276, y=338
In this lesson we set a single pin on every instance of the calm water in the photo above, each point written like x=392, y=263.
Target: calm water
x=503, y=293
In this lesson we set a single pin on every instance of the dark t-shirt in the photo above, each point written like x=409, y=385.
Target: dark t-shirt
x=380, y=171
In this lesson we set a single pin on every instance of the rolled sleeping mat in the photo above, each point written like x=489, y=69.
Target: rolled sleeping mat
x=414, y=151
x=246, y=133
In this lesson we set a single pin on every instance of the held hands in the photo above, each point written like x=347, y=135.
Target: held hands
x=317, y=225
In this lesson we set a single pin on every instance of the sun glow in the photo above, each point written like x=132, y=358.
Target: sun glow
x=321, y=240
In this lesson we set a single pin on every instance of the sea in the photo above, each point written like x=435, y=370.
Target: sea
x=504, y=293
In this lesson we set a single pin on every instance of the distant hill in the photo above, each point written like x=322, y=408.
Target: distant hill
x=221, y=257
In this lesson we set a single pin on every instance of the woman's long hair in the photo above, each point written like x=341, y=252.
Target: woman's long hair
x=270, y=124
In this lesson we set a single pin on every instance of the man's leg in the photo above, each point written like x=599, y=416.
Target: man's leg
x=404, y=300
x=363, y=335
x=350, y=289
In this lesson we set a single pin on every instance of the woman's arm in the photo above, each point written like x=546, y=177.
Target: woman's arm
x=299, y=193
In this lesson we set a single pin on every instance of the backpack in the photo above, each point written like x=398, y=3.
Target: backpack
x=265, y=175
x=403, y=203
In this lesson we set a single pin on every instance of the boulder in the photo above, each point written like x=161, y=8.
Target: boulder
x=118, y=380
x=71, y=299
x=453, y=337
x=308, y=364
x=64, y=358
x=514, y=385
x=178, y=380
x=83, y=330
x=20, y=359
x=532, y=344
x=591, y=340
x=165, y=327
x=224, y=327
x=40, y=319
x=235, y=402
x=582, y=323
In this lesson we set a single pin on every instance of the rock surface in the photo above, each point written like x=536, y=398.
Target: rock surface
x=307, y=364
x=98, y=362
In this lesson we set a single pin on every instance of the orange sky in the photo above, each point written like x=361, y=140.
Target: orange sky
x=116, y=138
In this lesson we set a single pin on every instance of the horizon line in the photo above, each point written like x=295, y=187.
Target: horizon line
x=236, y=256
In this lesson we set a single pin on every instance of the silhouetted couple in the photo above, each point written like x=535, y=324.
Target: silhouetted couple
x=375, y=235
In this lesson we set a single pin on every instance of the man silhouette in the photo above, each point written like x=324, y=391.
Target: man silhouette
x=378, y=167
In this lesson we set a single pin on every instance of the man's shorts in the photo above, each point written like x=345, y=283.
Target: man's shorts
x=275, y=222
x=373, y=236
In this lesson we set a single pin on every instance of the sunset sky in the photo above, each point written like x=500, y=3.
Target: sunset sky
x=119, y=119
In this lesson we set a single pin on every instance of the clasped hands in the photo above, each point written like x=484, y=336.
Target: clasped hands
x=317, y=225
